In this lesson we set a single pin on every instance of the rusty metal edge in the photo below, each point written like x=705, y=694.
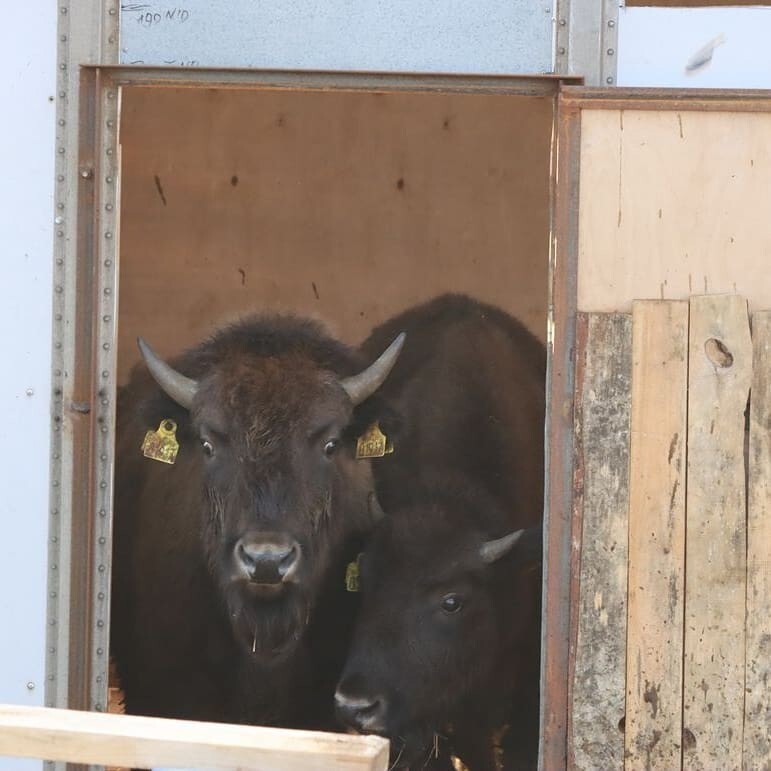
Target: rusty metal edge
x=559, y=440
x=709, y=100
x=191, y=77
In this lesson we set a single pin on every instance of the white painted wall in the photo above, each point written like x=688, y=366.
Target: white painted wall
x=27, y=88
x=655, y=46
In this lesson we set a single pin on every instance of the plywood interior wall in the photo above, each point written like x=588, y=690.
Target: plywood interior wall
x=345, y=206
x=673, y=204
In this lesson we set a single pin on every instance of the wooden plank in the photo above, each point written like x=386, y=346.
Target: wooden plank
x=602, y=445
x=127, y=740
x=656, y=535
x=757, y=704
x=720, y=369
x=670, y=209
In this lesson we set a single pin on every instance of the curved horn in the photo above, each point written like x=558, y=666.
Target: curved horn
x=180, y=388
x=362, y=386
x=494, y=550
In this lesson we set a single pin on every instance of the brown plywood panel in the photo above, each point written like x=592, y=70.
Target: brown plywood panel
x=602, y=448
x=673, y=204
x=719, y=374
x=344, y=206
x=757, y=705
x=654, y=653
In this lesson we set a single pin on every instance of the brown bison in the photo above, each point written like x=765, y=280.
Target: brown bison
x=445, y=657
x=228, y=596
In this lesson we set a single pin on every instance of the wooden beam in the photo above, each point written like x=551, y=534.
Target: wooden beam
x=757, y=704
x=603, y=382
x=720, y=370
x=127, y=740
x=656, y=535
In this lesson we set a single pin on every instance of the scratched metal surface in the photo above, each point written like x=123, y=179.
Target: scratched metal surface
x=486, y=36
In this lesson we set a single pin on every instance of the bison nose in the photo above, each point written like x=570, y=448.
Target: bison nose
x=360, y=712
x=268, y=558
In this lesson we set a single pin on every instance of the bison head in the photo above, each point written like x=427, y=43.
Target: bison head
x=281, y=488
x=443, y=608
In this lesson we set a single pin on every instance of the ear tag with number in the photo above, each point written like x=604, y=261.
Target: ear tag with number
x=162, y=445
x=352, y=576
x=373, y=443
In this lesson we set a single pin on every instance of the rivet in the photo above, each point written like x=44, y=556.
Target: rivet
x=108, y=234
x=63, y=38
x=102, y=540
x=100, y=624
x=29, y=392
x=99, y=651
x=58, y=318
x=98, y=706
x=111, y=39
x=58, y=220
x=61, y=121
x=110, y=123
x=100, y=595
x=30, y=686
x=60, y=233
x=52, y=622
x=99, y=677
x=110, y=94
x=62, y=66
x=108, y=180
x=62, y=94
x=563, y=22
x=53, y=567
x=50, y=678
x=55, y=512
x=59, y=289
x=63, y=9
x=102, y=512
x=107, y=263
x=86, y=173
x=52, y=595
x=112, y=12
x=105, y=402
x=562, y=49
x=105, y=373
x=56, y=483
x=61, y=151
x=106, y=318
x=102, y=485
x=107, y=290
x=610, y=52
x=609, y=80
x=108, y=207
x=611, y=23
x=60, y=177
x=59, y=261
x=54, y=539
x=103, y=456
x=52, y=649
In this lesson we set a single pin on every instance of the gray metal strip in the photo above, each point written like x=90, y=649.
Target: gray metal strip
x=586, y=40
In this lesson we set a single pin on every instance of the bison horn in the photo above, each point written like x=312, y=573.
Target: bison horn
x=494, y=550
x=362, y=386
x=180, y=388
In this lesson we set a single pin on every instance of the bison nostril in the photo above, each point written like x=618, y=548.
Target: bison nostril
x=267, y=560
x=363, y=713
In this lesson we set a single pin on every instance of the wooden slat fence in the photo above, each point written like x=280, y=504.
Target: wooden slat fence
x=671, y=665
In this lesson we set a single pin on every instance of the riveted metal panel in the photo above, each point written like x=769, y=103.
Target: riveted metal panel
x=586, y=40
x=487, y=36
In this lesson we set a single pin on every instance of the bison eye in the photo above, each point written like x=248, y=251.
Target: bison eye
x=208, y=448
x=330, y=447
x=451, y=603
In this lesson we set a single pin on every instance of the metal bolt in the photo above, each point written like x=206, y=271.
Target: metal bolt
x=104, y=429
x=109, y=151
x=59, y=261
x=107, y=290
x=100, y=624
x=105, y=373
x=54, y=539
x=611, y=52
x=562, y=50
x=100, y=595
x=108, y=180
x=611, y=23
x=102, y=485
x=108, y=207
x=62, y=94
x=30, y=686
x=108, y=234
x=56, y=483
x=111, y=39
x=103, y=456
x=60, y=177
x=102, y=512
x=61, y=151
x=106, y=318
x=609, y=80
x=61, y=121
x=63, y=38
x=63, y=9
x=99, y=651
x=110, y=123
x=98, y=706
x=86, y=173
x=563, y=22
x=111, y=95
x=60, y=206
x=62, y=66
x=107, y=263
x=102, y=540
x=59, y=289
x=58, y=220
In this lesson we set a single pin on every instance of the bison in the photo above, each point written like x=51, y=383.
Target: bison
x=446, y=650
x=228, y=598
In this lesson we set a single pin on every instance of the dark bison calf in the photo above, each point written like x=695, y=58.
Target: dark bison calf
x=446, y=649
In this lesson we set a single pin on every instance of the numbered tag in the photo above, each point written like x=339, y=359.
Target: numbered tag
x=352, y=576
x=162, y=445
x=373, y=443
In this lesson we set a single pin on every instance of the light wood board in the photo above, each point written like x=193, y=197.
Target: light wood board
x=123, y=740
x=757, y=705
x=673, y=204
x=719, y=378
x=656, y=535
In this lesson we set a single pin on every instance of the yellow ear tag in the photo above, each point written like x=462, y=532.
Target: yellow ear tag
x=162, y=445
x=373, y=443
x=352, y=576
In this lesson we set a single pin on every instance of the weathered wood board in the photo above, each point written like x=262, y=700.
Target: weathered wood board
x=602, y=447
x=720, y=368
x=127, y=740
x=656, y=535
x=757, y=703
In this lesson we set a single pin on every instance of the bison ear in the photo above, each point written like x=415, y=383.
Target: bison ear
x=180, y=388
x=527, y=544
x=362, y=386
